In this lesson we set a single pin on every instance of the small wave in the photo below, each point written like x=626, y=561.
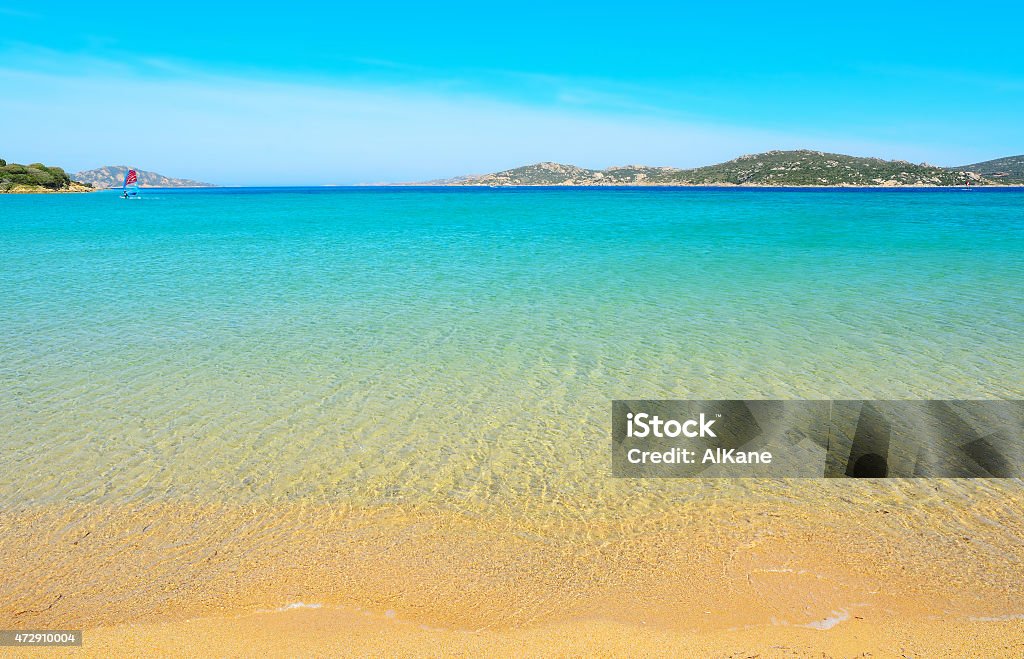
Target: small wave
x=292, y=606
x=830, y=622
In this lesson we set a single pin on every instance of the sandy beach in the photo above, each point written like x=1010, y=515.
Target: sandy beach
x=334, y=632
x=845, y=569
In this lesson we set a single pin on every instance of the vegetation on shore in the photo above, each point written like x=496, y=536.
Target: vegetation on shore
x=774, y=168
x=37, y=177
x=1008, y=170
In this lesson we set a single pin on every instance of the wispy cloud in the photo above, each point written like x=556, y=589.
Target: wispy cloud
x=189, y=122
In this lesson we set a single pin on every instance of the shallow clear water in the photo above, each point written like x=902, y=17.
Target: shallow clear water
x=464, y=345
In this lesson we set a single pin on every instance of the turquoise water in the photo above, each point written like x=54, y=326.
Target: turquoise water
x=386, y=344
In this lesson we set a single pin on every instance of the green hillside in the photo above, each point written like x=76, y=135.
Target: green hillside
x=800, y=168
x=1004, y=170
x=774, y=168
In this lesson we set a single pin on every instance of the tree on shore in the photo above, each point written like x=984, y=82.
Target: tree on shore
x=35, y=175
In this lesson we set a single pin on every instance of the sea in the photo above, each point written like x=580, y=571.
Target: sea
x=463, y=346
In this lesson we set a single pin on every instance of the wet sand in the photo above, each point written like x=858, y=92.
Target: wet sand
x=919, y=568
x=334, y=632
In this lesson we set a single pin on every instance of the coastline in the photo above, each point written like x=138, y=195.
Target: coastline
x=28, y=189
x=695, y=185
x=23, y=189
x=729, y=186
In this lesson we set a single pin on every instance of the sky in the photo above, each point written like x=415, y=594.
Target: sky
x=337, y=93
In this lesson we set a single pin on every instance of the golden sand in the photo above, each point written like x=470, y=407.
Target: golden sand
x=335, y=632
x=845, y=568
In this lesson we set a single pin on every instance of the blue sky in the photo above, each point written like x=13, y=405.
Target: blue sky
x=324, y=93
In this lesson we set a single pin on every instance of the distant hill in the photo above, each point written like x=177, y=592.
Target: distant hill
x=774, y=168
x=37, y=177
x=1004, y=170
x=112, y=176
